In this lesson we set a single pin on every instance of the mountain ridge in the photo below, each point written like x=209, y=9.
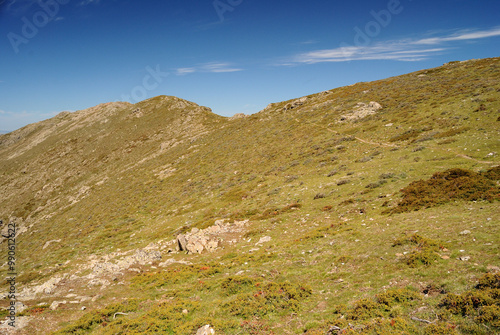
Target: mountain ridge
x=118, y=183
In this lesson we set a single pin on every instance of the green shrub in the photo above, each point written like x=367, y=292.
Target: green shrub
x=397, y=296
x=409, y=134
x=364, y=309
x=271, y=298
x=235, y=285
x=443, y=187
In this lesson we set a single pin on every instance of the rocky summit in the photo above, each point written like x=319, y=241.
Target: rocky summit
x=366, y=209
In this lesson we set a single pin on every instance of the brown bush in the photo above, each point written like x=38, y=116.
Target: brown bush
x=443, y=187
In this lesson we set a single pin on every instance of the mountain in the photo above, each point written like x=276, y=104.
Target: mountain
x=365, y=209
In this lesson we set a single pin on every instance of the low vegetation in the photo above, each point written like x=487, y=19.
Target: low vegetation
x=386, y=224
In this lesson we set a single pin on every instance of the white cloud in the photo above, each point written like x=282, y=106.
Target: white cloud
x=219, y=68
x=380, y=51
x=185, y=70
x=399, y=50
x=461, y=36
x=208, y=67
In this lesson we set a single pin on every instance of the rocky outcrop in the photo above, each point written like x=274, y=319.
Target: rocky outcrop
x=199, y=240
x=295, y=103
x=361, y=110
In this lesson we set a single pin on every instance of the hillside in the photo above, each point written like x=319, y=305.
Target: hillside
x=297, y=212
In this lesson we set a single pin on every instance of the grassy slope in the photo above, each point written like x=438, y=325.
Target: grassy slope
x=250, y=168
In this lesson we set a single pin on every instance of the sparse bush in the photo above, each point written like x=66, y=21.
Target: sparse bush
x=407, y=135
x=319, y=196
x=364, y=309
x=396, y=296
x=332, y=173
x=441, y=329
x=418, y=149
x=235, y=285
x=376, y=184
x=271, y=298
x=452, y=132
x=343, y=182
x=425, y=252
x=365, y=159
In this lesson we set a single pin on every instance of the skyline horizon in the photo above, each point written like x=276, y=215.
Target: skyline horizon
x=233, y=56
x=6, y=131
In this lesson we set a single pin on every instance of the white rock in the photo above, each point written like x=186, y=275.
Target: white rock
x=264, y=240
x=205, y=330
x=55, y=305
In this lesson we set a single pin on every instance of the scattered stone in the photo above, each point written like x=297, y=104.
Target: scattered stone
x=493, y=269
x=20, y=307
x=295, y=103
x=21, y=322
x=47, y=288
x=205, y=330
x=465, y=232
x=445, y=257
x=361, y=110
x=83, y=308
x=172, y=261
x=181, y=242
x=464, y=258
x=185, y=311
x=238, y=116
x=263, y=240
x=49, y=242
x=199, y=240
x=55, y=305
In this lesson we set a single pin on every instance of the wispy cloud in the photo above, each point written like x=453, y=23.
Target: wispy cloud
x=462, y=35
x=89, y=2
x=19, y=7
x=185, y=70
x=398, y=50
x=208, y=67
x=219, y=68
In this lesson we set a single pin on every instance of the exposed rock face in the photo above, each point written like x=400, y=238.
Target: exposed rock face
x=195, y=243
x=208, y=239
x=295, y=103
x=238, y=116
x=362, y=110
x=21, y=322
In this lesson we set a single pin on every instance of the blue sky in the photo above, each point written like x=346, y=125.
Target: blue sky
x=234, y=56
